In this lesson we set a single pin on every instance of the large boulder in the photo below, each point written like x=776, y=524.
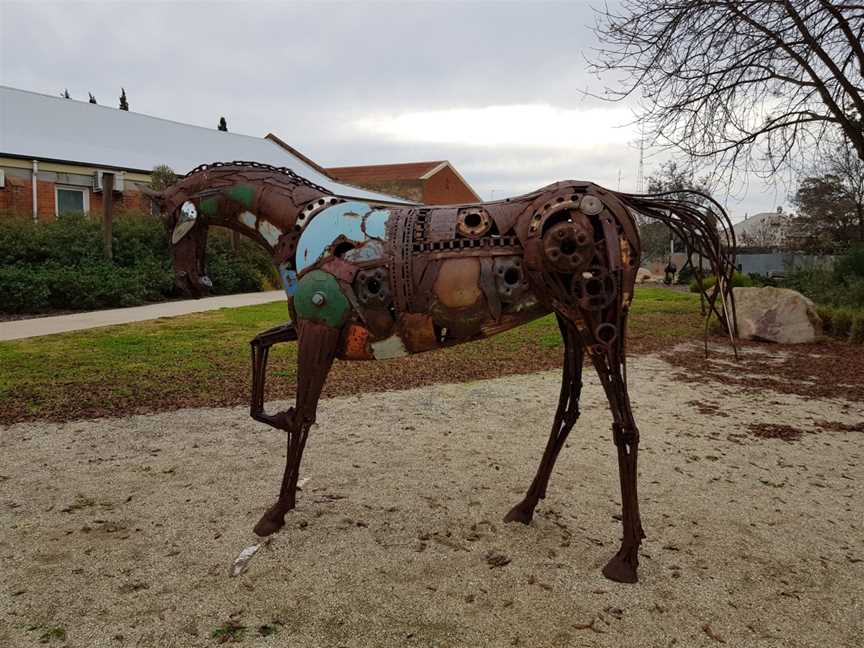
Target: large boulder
x=643, y=275
x=776, y=315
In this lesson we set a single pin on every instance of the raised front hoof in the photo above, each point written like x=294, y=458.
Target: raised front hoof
x=622, y=568
x=523, y=512
x=270, y=522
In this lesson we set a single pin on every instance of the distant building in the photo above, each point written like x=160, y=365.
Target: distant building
x=766, y=230
x=431, y=183
x=54, y=153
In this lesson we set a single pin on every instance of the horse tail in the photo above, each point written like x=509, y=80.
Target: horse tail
x=707, y=232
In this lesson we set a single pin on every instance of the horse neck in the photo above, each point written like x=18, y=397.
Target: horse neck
x=261, y=203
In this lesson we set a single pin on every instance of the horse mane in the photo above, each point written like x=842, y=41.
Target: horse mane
x=258, y=166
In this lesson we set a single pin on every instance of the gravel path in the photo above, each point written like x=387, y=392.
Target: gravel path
x=121, y=532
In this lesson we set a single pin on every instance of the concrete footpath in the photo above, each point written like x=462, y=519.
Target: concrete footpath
x=19, y=329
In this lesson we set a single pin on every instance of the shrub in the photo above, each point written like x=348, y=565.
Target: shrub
x=826, y=314
x=59, y=265
x=685, y=276
x=850, y=264
x=841, y=323
x=856, y=334
x=842, y=285
x=739, y=280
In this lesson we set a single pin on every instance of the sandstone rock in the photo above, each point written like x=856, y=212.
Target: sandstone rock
x=644, y=276
x=776, y=315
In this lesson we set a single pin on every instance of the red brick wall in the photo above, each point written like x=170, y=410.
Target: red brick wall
x=45, y=200
x=17, y=197
x=446, y=188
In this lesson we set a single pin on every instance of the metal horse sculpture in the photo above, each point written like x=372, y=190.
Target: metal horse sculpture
x=370, y=281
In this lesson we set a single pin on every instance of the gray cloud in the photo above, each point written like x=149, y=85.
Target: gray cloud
x=304, y=70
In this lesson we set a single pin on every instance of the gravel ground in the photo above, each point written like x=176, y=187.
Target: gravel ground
x=121, y=532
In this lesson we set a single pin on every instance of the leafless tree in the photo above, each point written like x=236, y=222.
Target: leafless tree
x=745, y=84
x=830, y=201
x=671, y=176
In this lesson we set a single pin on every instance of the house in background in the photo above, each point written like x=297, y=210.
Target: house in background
x=766, y=230
x=431, y=183
x=55, y=153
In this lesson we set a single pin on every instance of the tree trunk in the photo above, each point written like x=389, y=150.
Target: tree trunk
x=107, y=213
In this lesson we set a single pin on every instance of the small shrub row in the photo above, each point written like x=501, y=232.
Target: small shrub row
x=843, y=323
x=840, y=285
x=60, y=266
x=739, y=280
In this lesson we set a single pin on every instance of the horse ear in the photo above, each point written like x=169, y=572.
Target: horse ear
x=155, y=196
x=157, y=199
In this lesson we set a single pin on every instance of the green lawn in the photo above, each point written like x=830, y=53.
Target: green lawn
x=203, y=359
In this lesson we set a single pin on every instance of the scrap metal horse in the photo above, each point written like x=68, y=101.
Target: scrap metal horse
x=374, y=281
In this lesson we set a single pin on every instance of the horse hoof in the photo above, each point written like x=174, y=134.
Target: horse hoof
x=269, y=523
x=621, y=570
x=523, y=512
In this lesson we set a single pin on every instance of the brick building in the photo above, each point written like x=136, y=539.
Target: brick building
x=54, y=154
x=431, y=183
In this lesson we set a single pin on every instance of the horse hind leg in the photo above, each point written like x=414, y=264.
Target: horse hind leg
x=317, y=347
x=565, y=417
x=610, y=367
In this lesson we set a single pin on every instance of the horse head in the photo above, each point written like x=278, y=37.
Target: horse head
x=188, y=240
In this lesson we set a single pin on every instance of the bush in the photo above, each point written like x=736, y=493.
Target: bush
x=826, y=314
x=842, y=285
x=856, y=334
x=59, y=265
x=685, y=276
x=841, y=323
x=739, y=280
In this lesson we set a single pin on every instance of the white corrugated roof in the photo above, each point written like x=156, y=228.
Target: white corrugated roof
x=42, y=127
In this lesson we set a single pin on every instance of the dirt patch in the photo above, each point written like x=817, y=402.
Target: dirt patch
x=122, y=531
x=827, y=370
x=774, y=431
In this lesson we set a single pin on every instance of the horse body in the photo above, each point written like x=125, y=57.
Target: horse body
x=374, y=281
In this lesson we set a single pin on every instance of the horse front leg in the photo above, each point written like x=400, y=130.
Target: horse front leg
x=565, y=417
x=317, y=347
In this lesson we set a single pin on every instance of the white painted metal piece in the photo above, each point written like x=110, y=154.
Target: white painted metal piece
x=392, y=347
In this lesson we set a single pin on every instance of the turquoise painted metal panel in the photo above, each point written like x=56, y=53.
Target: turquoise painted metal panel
x=354, y=220
x=289, y=279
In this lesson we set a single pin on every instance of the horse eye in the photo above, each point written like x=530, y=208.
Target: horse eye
x=188, y=212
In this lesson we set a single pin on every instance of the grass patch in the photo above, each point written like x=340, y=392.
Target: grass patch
x=203, y=360
x=230, y=631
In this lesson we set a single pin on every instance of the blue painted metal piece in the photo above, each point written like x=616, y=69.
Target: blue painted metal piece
x=354, y=220
x=289, y=279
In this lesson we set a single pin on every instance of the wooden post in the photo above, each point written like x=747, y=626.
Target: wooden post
x=107, y=213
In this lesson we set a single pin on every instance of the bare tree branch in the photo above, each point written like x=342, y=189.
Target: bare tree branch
x=754, y=84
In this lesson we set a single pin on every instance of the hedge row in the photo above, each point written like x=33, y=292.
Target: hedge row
x=59, y=265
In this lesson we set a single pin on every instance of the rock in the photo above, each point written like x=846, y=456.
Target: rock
x=776, y=315
x=644, y=276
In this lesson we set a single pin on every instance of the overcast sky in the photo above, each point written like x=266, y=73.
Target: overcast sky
x=496, y=88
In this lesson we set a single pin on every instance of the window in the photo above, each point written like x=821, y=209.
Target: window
x=71, y=199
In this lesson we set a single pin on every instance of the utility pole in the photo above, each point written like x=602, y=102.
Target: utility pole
x=107, y=213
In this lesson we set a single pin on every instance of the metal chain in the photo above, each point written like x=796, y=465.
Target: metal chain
x=264, y=167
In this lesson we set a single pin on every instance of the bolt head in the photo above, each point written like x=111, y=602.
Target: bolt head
x=319, y=299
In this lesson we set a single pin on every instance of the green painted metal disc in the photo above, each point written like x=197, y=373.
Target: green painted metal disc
x=318, y=298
